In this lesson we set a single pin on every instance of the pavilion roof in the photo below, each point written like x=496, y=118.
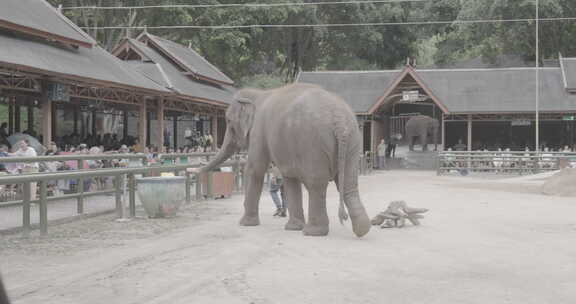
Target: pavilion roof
x=93, y=65
x=159, y=69
x=188, y=59
x=38, y=18
x=361, y=89
x=508, y=90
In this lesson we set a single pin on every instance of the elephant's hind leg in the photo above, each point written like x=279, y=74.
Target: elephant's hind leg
x=318, y=223
x=295, y=211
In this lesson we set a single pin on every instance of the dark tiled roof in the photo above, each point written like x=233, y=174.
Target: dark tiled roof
x=461, y=90
x=40, y=16
x=498, y=90
x=191, y=60
x=174, y=79
x=361, y=90
x=92, y=64
x=569, y=73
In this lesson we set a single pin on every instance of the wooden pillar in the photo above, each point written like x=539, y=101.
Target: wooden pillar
x=214, y=126
x=30, y=126
x=175, y=133
x=142, y=126
x=124, y=124
x=443, y=132
x=148, y=126
x=160, y=116
x=54, y=121
x=469, y=133
x=75, y=113
x=10, y=115
x=47, y=115
x=17, y=117
x=93, y=122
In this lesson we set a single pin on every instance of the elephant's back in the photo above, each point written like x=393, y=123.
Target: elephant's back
x=303, y=135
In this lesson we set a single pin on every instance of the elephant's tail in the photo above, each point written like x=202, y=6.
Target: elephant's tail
x=342, y=134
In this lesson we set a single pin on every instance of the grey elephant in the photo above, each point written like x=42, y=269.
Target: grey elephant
x=312, y=136
x=425, y=128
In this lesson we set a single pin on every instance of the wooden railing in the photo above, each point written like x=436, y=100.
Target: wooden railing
x=118, y=174
x=510, y=162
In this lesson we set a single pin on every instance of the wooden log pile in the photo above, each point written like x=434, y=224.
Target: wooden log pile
x=397, y=213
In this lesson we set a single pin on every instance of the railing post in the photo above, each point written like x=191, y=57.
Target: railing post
x=236, y=171
x=118, y=194
x=80, y=199
x=26, y=208
x=43, y=209
x=132, y=194
x=209, y=185
x=198, y=187
x=188, y=184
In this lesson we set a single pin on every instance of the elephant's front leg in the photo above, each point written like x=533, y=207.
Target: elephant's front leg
x=318, y=222
x=254, y=181
x=296, y=220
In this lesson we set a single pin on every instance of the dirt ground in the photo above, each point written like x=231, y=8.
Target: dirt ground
x=483, y=241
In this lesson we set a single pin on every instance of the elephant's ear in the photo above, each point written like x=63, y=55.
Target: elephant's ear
x=246, y=115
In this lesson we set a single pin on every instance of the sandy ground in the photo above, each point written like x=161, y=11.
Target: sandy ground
x=484, y=241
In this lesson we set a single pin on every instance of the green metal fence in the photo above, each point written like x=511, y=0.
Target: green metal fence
x=118, y=174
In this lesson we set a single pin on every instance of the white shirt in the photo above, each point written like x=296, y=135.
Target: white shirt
x=29, y=152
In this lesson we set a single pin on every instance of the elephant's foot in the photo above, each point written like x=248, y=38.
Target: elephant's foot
x=315, y=230
x=250, y=221
x=294, y=224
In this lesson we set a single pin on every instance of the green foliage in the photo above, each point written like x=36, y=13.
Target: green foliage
x=282, y=52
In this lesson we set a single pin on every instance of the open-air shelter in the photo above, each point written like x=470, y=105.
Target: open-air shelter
x=485, y=108
x=48, y=63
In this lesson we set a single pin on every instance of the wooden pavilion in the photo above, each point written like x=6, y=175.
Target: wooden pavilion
x=485, y=108
x=47, y=62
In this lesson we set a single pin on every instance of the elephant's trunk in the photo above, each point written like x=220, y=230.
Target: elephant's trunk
x=360, y=220
x=227, y=150
x=348, y=161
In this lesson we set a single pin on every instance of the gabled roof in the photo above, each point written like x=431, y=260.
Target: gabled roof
x=509, y=90
x=92, y=65
x=568, y=66
x=40, y=19
x=187, y=59
x=360, y=89
x=164, y=73
x=499, y=90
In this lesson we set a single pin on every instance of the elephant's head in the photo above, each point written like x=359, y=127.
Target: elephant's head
x=239, y=120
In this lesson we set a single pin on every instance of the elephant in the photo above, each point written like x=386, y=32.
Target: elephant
x=312, y=136
x=424, y=127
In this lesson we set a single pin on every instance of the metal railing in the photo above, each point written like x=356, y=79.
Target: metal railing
x=510, y=162
x=118, y=174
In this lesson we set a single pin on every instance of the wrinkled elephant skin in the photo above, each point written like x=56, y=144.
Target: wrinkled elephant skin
x=312, y=136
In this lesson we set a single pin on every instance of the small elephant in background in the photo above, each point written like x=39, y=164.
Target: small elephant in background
x=423, y=127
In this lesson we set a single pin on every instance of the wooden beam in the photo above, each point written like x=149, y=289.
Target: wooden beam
x=10, y=115
x=46, y=108
x=214, y=127
x=175, y=133
x=469, y=137
x=160, y=116
x=17, y=118
x=30, y=126
x=142, y=126
x=443, y=132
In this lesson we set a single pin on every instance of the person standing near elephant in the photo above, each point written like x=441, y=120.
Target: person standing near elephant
x=382, y=155
x=275, y=187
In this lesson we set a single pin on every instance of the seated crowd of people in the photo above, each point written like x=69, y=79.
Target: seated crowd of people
x=108, y=144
